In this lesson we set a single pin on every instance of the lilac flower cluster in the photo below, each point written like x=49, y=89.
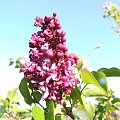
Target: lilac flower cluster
x=51, y=68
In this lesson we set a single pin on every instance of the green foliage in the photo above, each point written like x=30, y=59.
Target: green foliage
x=93, y=92
x=59, y=117
x=2, y=110
x=101, y=79
x=11, y=61
x=37, y=96
x=88, y=78
x=106, y=105
x=111, y=72
x=25, y=91
x=76, y=95
x=9, y=108
x=11, y=94
x=38, y=113
x=49, y=111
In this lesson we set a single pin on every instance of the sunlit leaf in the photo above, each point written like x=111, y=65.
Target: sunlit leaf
x=112, y=107
x=16, y=98
x=91, y=92
x=38, y=113
x=11, y=93
x=80, y=63
x=88, y=78
x=6, y=102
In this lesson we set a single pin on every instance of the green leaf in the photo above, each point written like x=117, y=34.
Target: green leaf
x=115, y=100
x=76, y=95
x=88, y=78
x=37, y=96
x=59, y=117
x=2, y=110
x=108, y=107
x=111, y=72
x=6, y=102
x=23, y=110
x=11, y=94
x=38, y=113
x=49, y=111
x=91, y=92
x=101, y=99
x=11, y=61
x=80, y=63
x=101, y=79
x=23, y=87
x=16, y=98
x=18, y=64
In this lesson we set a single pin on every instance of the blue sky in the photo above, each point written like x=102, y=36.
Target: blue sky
x=82, y=20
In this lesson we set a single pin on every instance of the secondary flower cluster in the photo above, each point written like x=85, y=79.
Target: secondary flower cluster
x=51, y=68
x=112, y=11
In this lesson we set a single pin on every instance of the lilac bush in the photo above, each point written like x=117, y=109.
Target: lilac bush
x=53, y=74
x=51, y=68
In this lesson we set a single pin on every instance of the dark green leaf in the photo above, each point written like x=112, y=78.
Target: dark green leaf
x=58, y=117
x=11, y=61
x=101, y=79
x=49, y=111
x=76, y=94
x=115, y=100
x=110, y=72
x=23, y=87
x=38, y=113
x=37, y=96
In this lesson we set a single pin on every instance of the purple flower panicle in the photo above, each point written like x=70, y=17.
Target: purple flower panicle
x=51, y=68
